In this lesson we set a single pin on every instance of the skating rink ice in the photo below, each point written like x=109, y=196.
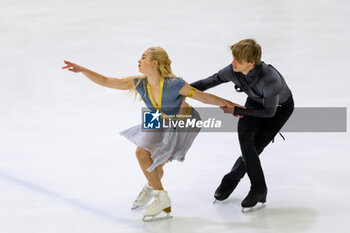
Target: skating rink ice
x=63, y=165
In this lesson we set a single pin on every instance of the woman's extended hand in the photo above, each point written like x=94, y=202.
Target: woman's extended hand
x=72, y=67
x=229, y=107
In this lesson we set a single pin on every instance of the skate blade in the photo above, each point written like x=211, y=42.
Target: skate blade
x=216, y=201
x=156, y=218
x=253, y=209
x=138, y=207
x=134, y=207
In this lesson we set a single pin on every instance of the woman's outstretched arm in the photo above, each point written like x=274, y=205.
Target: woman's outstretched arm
x=117, y=83
x=206, y=98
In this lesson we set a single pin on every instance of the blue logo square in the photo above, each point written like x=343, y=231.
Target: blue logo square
x=151, y=120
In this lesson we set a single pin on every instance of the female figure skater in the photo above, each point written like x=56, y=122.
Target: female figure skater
x=165, y=93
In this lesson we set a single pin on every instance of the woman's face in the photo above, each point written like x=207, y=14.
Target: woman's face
x=145, y=63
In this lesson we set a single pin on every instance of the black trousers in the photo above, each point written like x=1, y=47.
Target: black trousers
x=255, y=133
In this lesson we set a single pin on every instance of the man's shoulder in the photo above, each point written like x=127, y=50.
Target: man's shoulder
x=270, y=82
x=269, y=73
x=226, y=73
x=227, y=68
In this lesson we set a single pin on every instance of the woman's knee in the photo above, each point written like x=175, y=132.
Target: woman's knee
x=142, y=154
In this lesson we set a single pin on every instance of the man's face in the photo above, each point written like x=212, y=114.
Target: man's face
x=243, y=66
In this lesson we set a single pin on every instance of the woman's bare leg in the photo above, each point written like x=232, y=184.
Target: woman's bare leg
x=145, y=160
x=160, y=171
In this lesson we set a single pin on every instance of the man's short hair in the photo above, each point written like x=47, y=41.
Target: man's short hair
x=247, y=50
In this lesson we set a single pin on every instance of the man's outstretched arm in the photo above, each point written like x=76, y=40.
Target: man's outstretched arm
x=222, y=76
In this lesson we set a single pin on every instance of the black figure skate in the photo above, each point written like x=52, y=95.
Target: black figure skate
x=253, y=198
x=230, y=180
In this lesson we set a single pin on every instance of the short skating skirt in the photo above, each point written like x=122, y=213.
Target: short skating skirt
x=164, y=144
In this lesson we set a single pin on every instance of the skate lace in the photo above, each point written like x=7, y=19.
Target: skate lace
x=144, y=193
x=156, y=201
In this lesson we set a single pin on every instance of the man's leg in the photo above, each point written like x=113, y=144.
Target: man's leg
x=271, y=126
x=231, y=179
x=247, y=130
x=267, y=132
x=248, y=127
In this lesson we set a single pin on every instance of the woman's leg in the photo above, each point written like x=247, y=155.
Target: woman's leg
x=145, y=160
x=160, y=171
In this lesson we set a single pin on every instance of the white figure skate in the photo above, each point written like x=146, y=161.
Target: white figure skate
x=160, y=203
x=144, y=197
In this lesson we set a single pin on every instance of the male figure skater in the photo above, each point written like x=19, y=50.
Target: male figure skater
x=268, y=106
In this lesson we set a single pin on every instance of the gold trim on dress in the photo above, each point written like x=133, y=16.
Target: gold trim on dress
x=159, y=106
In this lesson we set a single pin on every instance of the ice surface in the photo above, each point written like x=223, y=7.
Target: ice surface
x=63, y=165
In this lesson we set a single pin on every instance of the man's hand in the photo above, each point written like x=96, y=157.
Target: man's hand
x=229, y=107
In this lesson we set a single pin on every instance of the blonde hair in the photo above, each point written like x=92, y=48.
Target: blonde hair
x=161, y=56
x=164, y=66
x=247, y=50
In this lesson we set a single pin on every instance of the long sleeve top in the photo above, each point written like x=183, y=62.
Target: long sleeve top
x=264, y=84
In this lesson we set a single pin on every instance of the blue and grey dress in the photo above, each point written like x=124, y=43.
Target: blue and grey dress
x=166, y=143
